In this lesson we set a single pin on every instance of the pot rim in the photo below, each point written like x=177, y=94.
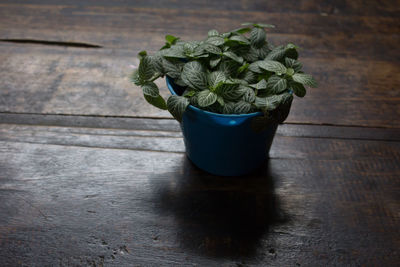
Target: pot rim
x=196, y=109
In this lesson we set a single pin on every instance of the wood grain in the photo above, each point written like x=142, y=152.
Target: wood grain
x=355, y=7
x=329, y=146
x=316, y=202
x=120, y=124
x=351, y=49
x=91, y=175
x=55, y=80
x=123, y=27
x=388, y=8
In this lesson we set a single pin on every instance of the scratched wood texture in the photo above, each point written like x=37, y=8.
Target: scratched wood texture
x=117, y=197
x=91, y=175
x=350, y=47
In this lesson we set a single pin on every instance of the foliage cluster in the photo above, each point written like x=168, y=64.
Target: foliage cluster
x=236, y=72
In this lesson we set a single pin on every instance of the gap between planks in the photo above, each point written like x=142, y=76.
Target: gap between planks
x=52, y=43
x=305, y=130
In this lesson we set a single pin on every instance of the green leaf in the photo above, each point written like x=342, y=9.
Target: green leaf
x=269, y=102
x=298, y=89
x=289, y=71
x=215, y=78
x=157, y=63
x=294, y=64
x=135, y=78
x=215, y=108
x=189, y=92
x=242, y=30
x=226, y=35
x=241, y=107
x=177, y=106
x=171, y=69
x=221, y=101
x=228, y=108
x=214, y=62
x=212, y=49
x=291, y=46
x=255, y=67
x=175, y=51
x=142, y=54
x=229, y=67
x=250, y=77
x=193, y=100
x=193, y=66
x=243, y=68
x=261, y=85
x=273, y=66
x=258, y=37
x=236, y=81
x=263, y=25
x=254, y=53
x=263, y=51
x=189, y=48
x=291, y=51
x=304, y=79
x=240, y=39
x=193, y=75
x=197, y=55
x=213, y=33
x=238, y=49
x=249, y=96
x=251, y=54
x=167, y=45
x=233, y=56
x=150, y=89
x=158, y=101
x=146, y=70
x=178, y=81
x=206, y=98
x=231, y=92
x=278, y=53
x=260, y=25
x=215, y=40
x=198, y=52
x=171, y=39
x=276, y=84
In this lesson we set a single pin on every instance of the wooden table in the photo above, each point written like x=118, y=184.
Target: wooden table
x=92, y=175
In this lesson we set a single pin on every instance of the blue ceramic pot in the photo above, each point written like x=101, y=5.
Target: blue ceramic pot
x=223, y=144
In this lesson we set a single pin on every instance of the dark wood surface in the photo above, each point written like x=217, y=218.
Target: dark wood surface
x=91, y=175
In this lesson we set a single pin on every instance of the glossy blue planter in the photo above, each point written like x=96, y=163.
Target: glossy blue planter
x=223, y=144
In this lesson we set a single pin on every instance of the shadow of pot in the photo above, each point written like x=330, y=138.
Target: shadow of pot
x=217, y=216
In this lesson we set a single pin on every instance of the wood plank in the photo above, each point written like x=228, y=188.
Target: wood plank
x=141, y=28
x=71, y=79
x=125, y=126
x=347, y=84
x=316, y=202
x=358, y=46
x=78, y=81
x=128, y=123
x=355, y=7
x=116, y=139
x=92, y=175
x=332, y=144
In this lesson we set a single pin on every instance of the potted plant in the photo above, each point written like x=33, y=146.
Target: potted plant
x=229, y=92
